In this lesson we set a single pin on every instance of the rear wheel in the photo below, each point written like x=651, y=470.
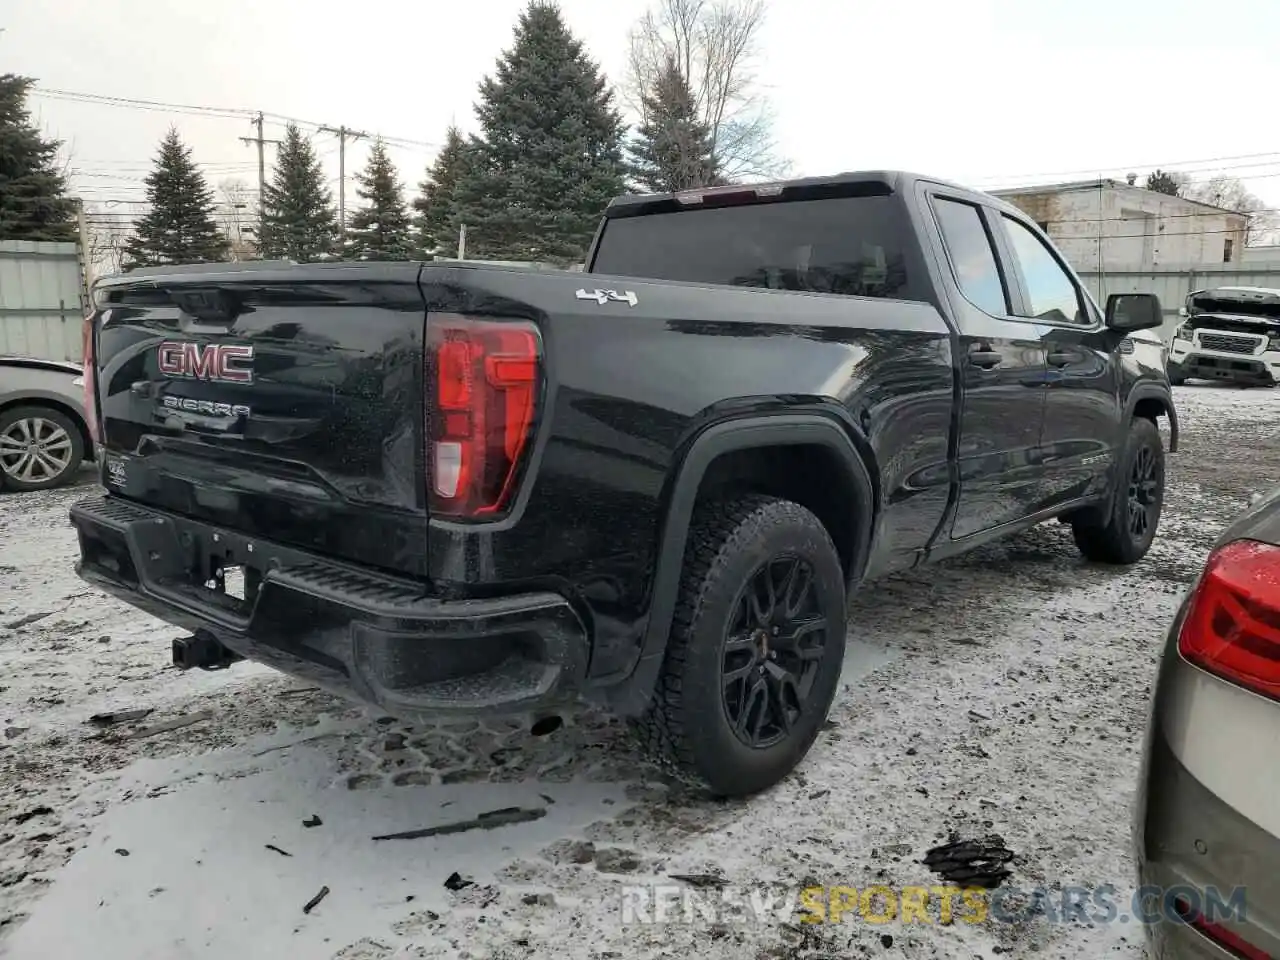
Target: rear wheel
x=40, y=448
x=756, y=649
x=1123, y=532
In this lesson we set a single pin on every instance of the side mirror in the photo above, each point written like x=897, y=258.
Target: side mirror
x=1134, y=311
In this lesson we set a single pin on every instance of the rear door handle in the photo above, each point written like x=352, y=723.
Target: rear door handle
x=985, y=358
x=1060, y=358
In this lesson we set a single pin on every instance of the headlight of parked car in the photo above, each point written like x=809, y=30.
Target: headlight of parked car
x=1182, y=332
x=1274, y=344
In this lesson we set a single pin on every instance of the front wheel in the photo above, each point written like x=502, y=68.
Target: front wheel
x=40, y=448
x=1122, y=533
x=755, y=651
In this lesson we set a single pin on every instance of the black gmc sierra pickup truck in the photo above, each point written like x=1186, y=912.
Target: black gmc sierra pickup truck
x=457, y=488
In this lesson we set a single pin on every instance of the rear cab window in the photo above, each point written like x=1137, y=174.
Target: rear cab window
x=973, y=259
x=860, y=246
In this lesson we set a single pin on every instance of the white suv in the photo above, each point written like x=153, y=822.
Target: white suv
x=1228, y=333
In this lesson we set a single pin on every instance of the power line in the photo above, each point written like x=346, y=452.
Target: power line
x=1134, y=166
x=204, y=110
x=75, y=96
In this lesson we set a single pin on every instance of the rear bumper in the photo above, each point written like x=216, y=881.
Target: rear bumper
x=1188, y=841
x=363, y=634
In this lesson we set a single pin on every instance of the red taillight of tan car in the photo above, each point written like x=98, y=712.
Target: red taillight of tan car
x=89, y=376
x=483, y=379
x=1232, y=626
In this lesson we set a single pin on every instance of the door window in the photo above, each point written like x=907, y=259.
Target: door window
x=1051, y=293
x=972, y=258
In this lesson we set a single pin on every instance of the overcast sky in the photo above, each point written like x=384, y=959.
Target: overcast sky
x=988, y=92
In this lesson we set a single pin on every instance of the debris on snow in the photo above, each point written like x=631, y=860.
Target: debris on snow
x=312, y=821
x=177, y=724
x=297, y=692
x=31, y=814
x=315, y=901
x=974, y=863
x=700, y=880
x=272, y=847
x=28, y=620
x=120, y=716
x=485, y=821
x=455, y=881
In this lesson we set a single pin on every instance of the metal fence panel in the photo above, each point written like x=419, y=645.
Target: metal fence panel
x=1172, y=283
x=42, y=300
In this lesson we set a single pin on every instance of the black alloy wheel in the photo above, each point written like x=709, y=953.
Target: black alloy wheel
x=772, y=651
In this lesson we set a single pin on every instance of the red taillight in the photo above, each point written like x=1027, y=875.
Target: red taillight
x=1232, y=627
x=89, y=375
x=483, y=378
x=1233, y=942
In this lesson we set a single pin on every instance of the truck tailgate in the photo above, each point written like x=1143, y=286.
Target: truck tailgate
x=283, y=402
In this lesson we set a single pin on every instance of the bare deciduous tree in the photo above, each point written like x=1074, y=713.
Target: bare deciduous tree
x=109, y=227
x=1230, y=194
x=713, y=44
x=236, y=206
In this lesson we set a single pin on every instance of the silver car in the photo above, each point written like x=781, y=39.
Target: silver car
x=44, y=436
x=1207, y=821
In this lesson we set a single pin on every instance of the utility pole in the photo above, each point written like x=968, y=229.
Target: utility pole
x=262, y=168
x=343, y=135
x=462, y=241
x=86, y=257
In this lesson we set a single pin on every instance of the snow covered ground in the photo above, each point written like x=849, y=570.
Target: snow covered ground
x=1004, y=692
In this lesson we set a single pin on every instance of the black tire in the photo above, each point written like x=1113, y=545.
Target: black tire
x=688, y=727
x=56, y=456
x=1176, y=377
x=1122, y=533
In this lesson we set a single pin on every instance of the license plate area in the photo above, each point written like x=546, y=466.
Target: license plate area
x=224, y=573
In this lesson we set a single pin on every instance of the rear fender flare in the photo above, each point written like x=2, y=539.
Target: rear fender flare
x=778, y=430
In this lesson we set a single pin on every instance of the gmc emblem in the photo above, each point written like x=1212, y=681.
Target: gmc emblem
x=220, y=362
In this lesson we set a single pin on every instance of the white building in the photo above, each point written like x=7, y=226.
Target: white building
x=1263, y=253
x=1109, y=224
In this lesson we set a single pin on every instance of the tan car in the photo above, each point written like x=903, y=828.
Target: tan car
x=1207, y=822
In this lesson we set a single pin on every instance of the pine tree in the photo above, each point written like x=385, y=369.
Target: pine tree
x=179, y=227
x=673, y=148
x=1170, y=183
x=33, y=193
x=436, y=221
x=550, y=157
x=298, y=220
x=381, y=229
